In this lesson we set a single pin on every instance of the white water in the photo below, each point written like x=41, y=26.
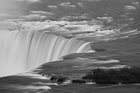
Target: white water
x=26, y=50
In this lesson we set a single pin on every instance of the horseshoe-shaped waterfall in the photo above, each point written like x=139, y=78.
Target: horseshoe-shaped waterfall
x=21, y=51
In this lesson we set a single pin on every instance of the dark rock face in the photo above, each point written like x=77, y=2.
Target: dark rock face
x=99, y=50
x=61, y=79
x=78, y=81
x=53, y=78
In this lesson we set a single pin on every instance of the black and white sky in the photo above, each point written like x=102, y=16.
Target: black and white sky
x=108, y=11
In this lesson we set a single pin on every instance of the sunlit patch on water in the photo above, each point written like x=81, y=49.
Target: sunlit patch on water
x=33, y=75
x=95, y=61
x=90, y=51
x=44, y=84
x=112, y=67
x=30, y=88
x=107, y=62
x=90, y=83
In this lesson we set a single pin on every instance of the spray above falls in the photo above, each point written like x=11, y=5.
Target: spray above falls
x=21, y=51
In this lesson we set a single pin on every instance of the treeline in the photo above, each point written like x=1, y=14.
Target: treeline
x=126, y=75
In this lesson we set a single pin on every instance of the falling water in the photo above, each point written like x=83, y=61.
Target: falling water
x=23, y=51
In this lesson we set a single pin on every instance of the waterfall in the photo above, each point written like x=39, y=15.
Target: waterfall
x=21, y=51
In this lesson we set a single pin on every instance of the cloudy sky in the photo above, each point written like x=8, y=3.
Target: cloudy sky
x=20, y=10
x=107, y=11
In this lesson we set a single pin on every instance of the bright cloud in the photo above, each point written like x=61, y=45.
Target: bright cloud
x=129, y=7
x=136, y=4
x=67, y=4
x=42, y=12
x=107, y=19
x=80, y=17
x=80, y=4
x=10, y=15
x=53, y=6
x=12, y=25
x=33, y=17
x=8, y=25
